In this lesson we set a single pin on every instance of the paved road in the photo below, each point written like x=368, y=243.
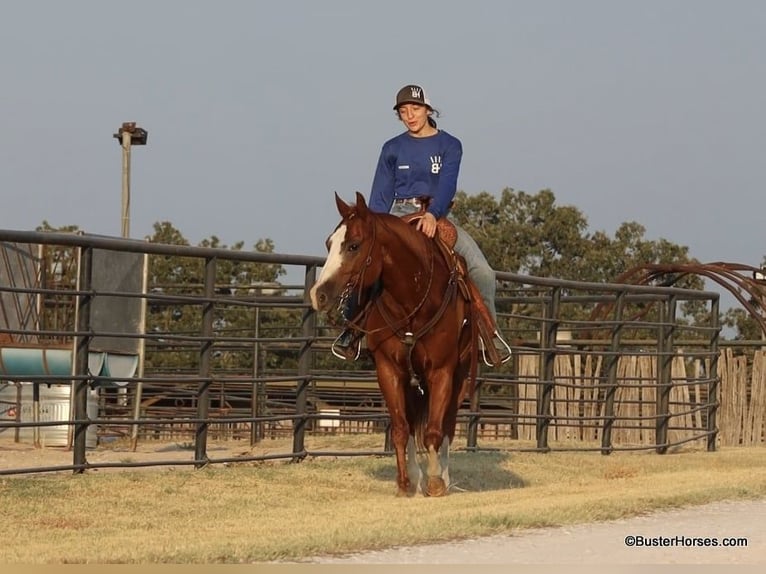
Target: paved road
x=605, y=543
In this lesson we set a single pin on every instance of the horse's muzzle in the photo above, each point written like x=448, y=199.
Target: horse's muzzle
x=329, y=299
x=319, y=299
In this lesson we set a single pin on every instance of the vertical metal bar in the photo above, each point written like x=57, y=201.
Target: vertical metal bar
x=203, y=389
x=17, y=416
x=664, y=372
x=256, y=406
x=304, y=367
x=36, y=414
x=82, y=346
x=513, y=396
x=548, y=357
x=612, y=361
x=137, y=397
x=712, y=394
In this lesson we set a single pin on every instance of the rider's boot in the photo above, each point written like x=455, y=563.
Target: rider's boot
x=348, y=345
x=494, y=350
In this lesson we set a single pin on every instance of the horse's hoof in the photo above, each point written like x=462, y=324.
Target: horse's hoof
x=406, y=490
x=436, y=486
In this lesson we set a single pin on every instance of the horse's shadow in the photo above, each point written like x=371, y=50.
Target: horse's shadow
x=469, y=471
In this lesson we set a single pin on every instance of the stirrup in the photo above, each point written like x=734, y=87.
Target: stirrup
x=346, y=351
x=503, y=350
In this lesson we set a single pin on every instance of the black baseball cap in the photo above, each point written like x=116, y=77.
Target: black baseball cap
x=412, y=94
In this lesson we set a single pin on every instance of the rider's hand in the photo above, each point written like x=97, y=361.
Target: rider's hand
x=427, y=224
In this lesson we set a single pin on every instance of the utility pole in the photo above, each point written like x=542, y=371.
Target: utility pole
x=127, y=136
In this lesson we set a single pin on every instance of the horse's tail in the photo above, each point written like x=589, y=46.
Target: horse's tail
x=419, y=419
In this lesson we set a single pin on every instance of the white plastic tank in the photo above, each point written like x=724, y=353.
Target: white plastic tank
x=55, y=405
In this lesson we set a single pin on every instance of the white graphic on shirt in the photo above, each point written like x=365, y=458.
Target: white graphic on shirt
x=436, y=163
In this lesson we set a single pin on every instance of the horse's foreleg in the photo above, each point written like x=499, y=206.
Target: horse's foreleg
x=391, y=382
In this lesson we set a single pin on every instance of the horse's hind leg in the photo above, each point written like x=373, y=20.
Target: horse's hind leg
x=437, y=474
x=399, y=435
x=413, y=467
x=444, y=460
x=442, y=418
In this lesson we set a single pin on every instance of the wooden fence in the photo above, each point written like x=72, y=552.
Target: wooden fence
x=578, y=403
x=743, y=398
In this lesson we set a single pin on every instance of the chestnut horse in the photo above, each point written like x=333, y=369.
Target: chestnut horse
x=419, y=327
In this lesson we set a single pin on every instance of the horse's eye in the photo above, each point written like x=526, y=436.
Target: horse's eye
x=353, y=247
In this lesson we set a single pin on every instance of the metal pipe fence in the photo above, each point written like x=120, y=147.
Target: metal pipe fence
x=217, y=356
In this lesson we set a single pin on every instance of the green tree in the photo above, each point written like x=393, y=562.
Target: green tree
x=532, y=235
x=745, y=326
x=522, y=233
x=58, y=272
x=173, y=279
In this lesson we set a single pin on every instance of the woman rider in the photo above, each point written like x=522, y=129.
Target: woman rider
x=424, y=161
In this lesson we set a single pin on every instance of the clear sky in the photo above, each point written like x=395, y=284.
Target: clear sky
x=257, y=111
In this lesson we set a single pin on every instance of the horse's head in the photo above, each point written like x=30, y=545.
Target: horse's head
x=352, y=265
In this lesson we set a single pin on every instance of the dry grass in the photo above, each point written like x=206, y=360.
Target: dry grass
x=281, y=511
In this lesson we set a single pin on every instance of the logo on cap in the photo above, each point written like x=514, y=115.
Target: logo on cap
x=411, y=94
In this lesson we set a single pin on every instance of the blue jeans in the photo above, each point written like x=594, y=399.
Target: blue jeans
x=478, y=268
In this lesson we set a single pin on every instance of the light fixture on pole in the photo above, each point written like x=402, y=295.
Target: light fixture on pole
x=128, y=135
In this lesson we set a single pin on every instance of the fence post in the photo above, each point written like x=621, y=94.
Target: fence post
x=82, y=348
x=611, y=374
x=257, y=400
x=715, y=380
x=548, y=357
x=304, y=367
x=664, y=372
x=206, y=348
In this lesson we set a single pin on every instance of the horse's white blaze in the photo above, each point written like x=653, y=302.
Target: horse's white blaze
x=332, y=263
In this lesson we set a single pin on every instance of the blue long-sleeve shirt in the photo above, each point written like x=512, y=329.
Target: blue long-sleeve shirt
x=416, y=167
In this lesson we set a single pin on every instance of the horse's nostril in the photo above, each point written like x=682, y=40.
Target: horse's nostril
x=322, y=298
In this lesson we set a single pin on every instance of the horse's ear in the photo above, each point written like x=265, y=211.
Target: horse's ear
x=343, y=208
x=361, y=205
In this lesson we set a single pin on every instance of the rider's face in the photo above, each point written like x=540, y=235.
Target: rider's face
x=415, y=117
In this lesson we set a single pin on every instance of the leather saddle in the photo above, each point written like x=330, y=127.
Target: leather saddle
x=445, y=239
